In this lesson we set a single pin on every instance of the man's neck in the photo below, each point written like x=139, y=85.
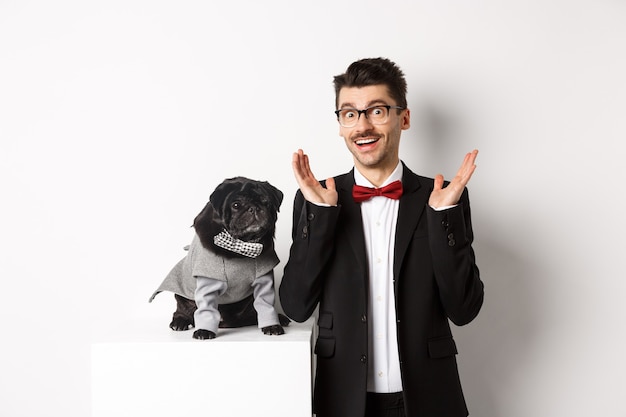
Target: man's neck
x=377, y=176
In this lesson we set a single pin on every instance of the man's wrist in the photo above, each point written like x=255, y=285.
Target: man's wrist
x=442, y=208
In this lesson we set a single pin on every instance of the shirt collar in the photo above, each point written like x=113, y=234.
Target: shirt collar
x=396, y=175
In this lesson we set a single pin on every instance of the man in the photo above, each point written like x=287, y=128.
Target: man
x=389, y=265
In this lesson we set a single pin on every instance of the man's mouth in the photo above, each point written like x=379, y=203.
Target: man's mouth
x=366, y=141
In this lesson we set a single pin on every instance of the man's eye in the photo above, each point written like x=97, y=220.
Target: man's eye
x=377, y=111
x=349, y=114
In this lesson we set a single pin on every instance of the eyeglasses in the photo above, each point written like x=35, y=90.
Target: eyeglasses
x=377, y=115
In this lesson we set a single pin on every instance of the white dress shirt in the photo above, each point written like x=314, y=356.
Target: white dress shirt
x=380, y=217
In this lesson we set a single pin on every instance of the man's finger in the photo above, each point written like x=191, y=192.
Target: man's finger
x=438, y=182
x=330, y=183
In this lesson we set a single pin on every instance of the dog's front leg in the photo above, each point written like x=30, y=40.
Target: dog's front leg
x=207, y=315
x=264, y=297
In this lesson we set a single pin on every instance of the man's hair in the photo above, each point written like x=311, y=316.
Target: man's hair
x=373, y=71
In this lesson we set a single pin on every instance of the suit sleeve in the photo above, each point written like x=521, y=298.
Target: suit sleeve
x=311, y=249
x=456, y=273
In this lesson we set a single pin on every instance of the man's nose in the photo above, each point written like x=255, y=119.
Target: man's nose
x=363, y=121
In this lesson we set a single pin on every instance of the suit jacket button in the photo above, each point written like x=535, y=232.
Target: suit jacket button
x=451, y=242
x=363, y=358
x=364, y=318
x=311, y=216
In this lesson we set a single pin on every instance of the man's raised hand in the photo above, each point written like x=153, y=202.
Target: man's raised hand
x=450, y=195
x=311, y=189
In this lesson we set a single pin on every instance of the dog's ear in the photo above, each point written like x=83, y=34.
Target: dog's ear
x=276, y=196
x=205, y=213
x=218, y=197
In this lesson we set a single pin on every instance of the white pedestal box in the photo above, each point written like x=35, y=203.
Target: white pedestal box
x=153, y=371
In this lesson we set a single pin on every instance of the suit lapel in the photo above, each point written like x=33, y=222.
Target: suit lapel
x=352, y=219
x=412, y=205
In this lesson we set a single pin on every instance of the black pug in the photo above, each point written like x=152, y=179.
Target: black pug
x=227, y=277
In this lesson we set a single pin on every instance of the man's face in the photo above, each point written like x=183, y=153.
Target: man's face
x=373, y=147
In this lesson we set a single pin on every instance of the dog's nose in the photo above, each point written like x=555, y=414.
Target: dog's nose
x=252, y=210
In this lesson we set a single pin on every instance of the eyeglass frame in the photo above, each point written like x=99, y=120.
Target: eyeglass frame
x=364, y=112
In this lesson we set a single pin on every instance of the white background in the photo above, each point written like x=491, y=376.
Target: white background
x=118, y=118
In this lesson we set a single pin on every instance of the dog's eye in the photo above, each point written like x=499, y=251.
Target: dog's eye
x=236, y=205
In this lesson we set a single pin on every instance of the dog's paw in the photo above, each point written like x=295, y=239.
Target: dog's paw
x=284, y=320
x=202, y=334
x=274, y=330
x=179, y=324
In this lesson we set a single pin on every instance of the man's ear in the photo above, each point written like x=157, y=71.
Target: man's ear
x=406, y=119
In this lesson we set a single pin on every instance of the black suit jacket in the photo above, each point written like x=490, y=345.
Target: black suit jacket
x=435, y=279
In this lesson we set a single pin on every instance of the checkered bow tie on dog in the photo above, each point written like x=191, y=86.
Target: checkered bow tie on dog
x=226, y=241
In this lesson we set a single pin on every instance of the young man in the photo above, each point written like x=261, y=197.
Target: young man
x=388, y=256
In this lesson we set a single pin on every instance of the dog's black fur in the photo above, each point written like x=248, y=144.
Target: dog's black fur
x=248, y=210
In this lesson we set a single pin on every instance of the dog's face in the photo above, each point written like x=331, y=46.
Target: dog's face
x=247, y=209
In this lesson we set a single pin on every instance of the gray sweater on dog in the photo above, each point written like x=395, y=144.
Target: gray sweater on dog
x=229, y=280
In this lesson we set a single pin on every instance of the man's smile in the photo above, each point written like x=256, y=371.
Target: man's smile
x=365, y=138
x=366, y=141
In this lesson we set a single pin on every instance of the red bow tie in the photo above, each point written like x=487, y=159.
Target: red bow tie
x=393, y=191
